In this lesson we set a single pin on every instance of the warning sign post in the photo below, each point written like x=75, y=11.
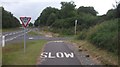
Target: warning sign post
x=25, y=21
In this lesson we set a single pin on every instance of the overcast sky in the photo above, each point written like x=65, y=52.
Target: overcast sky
x=33, y=8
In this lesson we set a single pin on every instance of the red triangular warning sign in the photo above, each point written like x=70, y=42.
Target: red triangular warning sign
x=25, y=21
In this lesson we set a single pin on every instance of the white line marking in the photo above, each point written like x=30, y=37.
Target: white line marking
x=6, y=35
x=14, y=33
x=10, y=34
x=56, y=41
x=15, y=36
x=30, y=38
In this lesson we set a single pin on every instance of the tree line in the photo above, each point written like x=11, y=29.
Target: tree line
x=101, y=30
x=8, y=20
x=65, y=17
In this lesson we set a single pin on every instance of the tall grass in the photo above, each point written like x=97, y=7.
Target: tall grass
x=105, y=35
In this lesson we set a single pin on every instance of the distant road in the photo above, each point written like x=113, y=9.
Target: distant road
x=15, y=36
x=9, y=36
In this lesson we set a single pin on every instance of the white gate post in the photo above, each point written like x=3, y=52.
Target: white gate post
x=3, y=41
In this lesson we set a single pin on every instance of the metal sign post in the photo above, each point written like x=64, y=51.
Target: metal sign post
x=24, y=40
x=25, y=21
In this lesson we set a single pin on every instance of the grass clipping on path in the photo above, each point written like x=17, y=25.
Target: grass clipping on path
x=103, y=56
x=13, y=54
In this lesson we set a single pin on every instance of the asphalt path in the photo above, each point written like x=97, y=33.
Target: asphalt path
x=55, y=47
x=60, y=46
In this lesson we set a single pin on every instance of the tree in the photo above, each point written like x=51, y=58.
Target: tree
x=51, y=19
x=30, y=24
x=112, y=13
x=37, y=23
x=89, y=10
x=118, y=10
x=65, y=17
x=45, y=15
x=8, y=20
x=67, y=10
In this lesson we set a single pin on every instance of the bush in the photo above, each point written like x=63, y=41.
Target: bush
x=64, y=23
x=63, y=31
x=82, y=35
x=85, y=21
x=105, y=35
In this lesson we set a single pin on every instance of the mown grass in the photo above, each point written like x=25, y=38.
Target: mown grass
x=0, y=55
x=9, y=30
x=103, y=56
x=13, y=54
x=0, y=30
x=33, y=33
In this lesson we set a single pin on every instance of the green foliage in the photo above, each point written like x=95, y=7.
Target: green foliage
x=118, y=10
x=67, y=10
x=69, y=31
x=99, y=30
x=66, y=16
x=105, y=35
x=82, y=35
x=63, y=31
x=49, y=14
x=64, y=23
x=37, y=23
x=44, y=17
x=30, y=24
x=86, y=20
x=8, y=20
x=111, y=14
x=89, y=10
x=51, y=19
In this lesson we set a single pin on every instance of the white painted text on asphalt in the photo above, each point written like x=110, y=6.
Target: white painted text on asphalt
x=57, y=55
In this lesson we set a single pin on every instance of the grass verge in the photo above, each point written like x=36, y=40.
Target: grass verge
x=13, y=54
x=0, y=55
x=11, y=29
x=103, y=56
x=0, y=30
x=33, y=33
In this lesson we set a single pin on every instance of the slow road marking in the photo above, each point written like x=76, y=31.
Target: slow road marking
x=57, y=55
